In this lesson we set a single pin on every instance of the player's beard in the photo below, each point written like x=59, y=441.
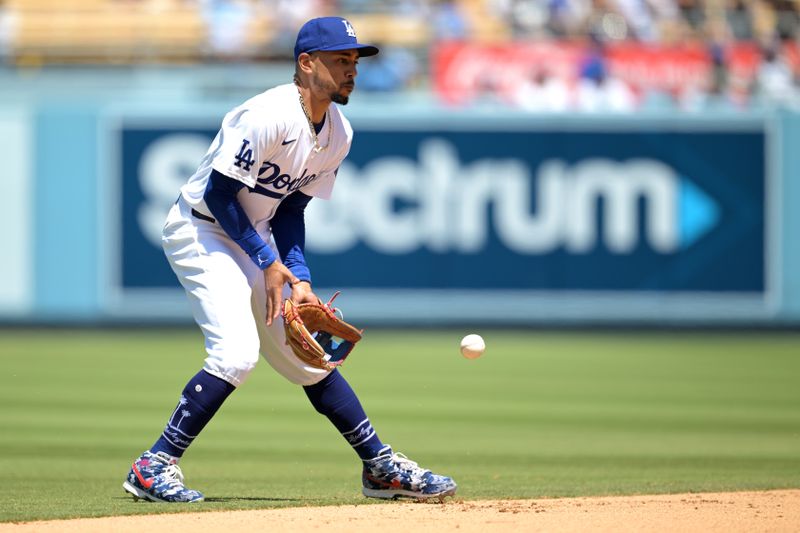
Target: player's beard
x=339, y=98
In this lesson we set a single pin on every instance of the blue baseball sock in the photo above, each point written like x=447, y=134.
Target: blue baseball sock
x=334, y=398
x=200, y=400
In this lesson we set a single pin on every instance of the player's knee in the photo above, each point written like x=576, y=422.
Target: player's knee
x=233, y=361
x=234, y=372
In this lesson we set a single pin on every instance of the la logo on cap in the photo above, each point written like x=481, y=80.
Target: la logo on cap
x=350, y=31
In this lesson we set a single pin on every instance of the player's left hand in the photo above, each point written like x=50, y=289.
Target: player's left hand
x=310, y=330
x=302, y=293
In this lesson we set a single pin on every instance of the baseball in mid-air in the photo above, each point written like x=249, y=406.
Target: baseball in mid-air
x=472, y=346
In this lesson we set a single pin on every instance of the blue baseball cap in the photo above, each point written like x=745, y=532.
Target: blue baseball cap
x=329, y=34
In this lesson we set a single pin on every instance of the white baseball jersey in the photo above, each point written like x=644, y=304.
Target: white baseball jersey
x=267, y=144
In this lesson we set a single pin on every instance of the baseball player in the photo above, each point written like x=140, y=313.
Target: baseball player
x=235, y=240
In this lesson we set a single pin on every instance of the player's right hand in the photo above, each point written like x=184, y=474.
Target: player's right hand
x=275, y=276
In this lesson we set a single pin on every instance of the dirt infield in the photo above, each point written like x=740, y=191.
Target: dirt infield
x=773, y=511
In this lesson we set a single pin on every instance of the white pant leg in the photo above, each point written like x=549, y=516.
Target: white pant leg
x=228, y=300
x=273, y=342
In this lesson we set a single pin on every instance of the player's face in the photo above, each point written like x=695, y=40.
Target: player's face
x=335, y=74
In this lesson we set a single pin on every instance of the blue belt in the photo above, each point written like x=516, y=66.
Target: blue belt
x=201, y=216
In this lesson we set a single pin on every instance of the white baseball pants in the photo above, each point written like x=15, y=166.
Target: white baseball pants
x=227, y=294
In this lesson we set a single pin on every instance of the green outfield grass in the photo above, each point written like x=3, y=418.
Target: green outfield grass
x=540, y=415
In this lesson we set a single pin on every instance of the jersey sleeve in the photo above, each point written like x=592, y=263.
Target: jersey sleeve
x=289, y=230
x=246, y=140
x=220, y=197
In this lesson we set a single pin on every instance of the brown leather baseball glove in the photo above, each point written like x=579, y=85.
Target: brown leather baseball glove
x=316, y=335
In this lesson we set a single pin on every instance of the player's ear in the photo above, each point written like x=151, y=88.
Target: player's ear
x=304, y=61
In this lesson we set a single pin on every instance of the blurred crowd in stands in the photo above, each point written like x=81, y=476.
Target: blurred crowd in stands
x=537, y=55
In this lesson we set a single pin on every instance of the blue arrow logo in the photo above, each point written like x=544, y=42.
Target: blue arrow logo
x=698, y=213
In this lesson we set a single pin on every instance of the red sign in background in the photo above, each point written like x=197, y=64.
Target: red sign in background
x=464, y=72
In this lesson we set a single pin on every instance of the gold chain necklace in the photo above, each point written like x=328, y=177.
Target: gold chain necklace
x=317, y=147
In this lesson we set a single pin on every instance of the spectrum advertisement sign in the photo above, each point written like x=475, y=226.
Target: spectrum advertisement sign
x=591, y=211
x=547, y=210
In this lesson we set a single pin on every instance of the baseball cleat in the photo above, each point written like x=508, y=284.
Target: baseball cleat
x=393, y=475
x=153, y=477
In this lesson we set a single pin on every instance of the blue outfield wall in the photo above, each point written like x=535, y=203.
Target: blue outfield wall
x=66, y=218
x=787, y=157
x=441, y=217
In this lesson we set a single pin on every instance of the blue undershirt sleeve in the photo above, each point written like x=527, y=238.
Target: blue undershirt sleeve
x=220, y=197
x=289, y=230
